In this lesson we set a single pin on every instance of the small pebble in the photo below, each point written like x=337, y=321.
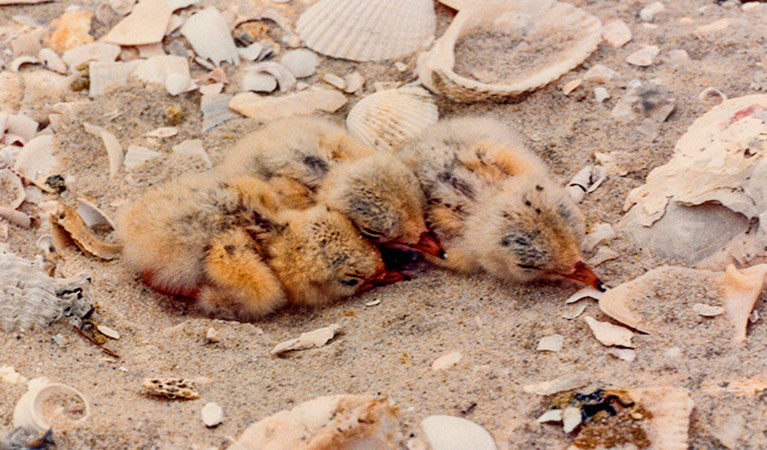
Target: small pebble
x=212, y=336
x=551, y=343
x=334, y=80
x=644, y=56
x=649, y=12
x=601, y=94
x=212, y=414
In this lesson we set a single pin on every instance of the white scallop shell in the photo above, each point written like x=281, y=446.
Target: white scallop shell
x=29, y=297
x=388, y=119
x=46, y=405
x=549, y=39
x=367, y=30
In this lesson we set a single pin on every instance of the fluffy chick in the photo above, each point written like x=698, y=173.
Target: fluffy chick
x=314, y=160
x=494, y=206
x=225, y=243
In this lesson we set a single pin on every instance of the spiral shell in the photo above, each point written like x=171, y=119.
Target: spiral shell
x=48, y=405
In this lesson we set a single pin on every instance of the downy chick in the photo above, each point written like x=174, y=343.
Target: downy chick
x=226, y=244
x=494, y=206
x=314, y=160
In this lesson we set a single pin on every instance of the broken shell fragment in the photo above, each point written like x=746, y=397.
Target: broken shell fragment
x=210, y=38
x=310, y=339
x=52, y=61
x=284, y=77
x=70, y=30
x=616, y=33
x=571, y=418
x=301, y=103
x=603, y=255
x=388, y=119
x=212, y=414
x=587, y=180
x=146, y=24
x=707, y=310
x=193, y=149
x=551, y=343
x=446, y=361
x=538, y=46
x=643, y=57
x=48, y=405
x=68, y=220
x=339, y=421
x=602, y=232
x=96, y=51
x=561, y=384
x=609, y=334
x=170, y=388
x=302, y=63
x=138, y=155
x=364, y=30
x=12, y=192
x=92, y=216
x=215, y=110
x=112, y=145
x=107, y=76
x=447, y=432
x=37, y=160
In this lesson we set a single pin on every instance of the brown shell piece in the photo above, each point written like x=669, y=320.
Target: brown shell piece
x=170, y=388
x=67, y=219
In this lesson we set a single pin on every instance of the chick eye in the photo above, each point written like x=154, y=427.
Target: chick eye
x=371, y=233
x=528, y=266
x=350, y=282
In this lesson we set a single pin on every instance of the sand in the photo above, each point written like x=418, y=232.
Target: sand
x=387, y=349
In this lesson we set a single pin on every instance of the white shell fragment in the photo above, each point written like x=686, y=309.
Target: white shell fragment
x=9, y=375
x=310, y=339
x=138, y=155
x=12, y=192
x=502, y=48
x=450, y=433
x=446, y=361
x=609, y=334
x=301, y=103
x=625, y=354
x=95, y=51
x=212, y=414
x=552, y=415
x=146, y=24
x=602, y=232
x=29, y=297
x=302, y=63
x=561, y=384
x=551, y=343
x=339, y=421
x=616, y=33
x=92, y=215
x=215, y=110
x=258, y=82
x=210, y=38
x=587, y=180
x=52, y=61
x=170, y=71
x=112, y=145
x=388, y=119
x=603, y=255
x=281, y=74
x=48, y=405
x=599, y=73
x=192, y=148
x=367, y=30
x=707, y=310
x=645, y=56
x=108, y=332
x=571, y=418
x=107, y=76
x=37, y=159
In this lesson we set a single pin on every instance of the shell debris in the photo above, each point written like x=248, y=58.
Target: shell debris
x=146, y=24
x=112, y=145
x=212, y=414
x=609, y=334
x=561, y=384
x=193, y=149
x=170, y=388
x=551, y=343
x=298, y=104
x=446, y=361
x=67, y=219
x=70, y=30
x=310, y=339
x=210, y=38
x=448, y=432
x=48, y=405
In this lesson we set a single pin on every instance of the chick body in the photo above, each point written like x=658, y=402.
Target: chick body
x=494, y=205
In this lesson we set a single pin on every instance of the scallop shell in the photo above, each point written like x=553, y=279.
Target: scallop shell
x=388, y=119
x=210, y=37
x=367, y=30
x=338, y=421
x=48, y=405
x=11, y=190
x=146, y=24
x=549, y=39
x=29, y=297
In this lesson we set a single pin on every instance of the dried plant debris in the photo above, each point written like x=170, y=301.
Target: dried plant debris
x=170, y=388
x=67, y=220
x=29, y=297
x=339, y=421
x=652, y=418
x=697, y=207
x=651, y=303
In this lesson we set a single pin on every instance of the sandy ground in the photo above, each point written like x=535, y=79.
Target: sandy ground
x=387, y=349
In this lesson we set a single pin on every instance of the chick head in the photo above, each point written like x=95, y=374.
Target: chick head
x=531, y=229
x=319, y=256
x=383, y=198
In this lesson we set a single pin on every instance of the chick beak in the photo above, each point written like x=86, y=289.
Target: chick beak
x=382, y=278
x=428, y=243
x=585, y=275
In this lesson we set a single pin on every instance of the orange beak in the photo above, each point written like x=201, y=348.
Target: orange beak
x=585, y=275
x=381, y=278
x=428, y=244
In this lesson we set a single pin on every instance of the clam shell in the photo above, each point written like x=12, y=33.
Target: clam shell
x=549, y=39
x=388, y=119
x=48, y=405
x=29, y=297
x=146, y=24
x=12, y=192
x=210, y=37
x=367, y=30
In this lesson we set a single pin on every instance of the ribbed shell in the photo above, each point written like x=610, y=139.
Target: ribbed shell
x=388, y=119
x=30, y=298
x=552, y=39
x=367, y=30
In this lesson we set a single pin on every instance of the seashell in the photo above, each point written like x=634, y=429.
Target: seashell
x=162, y=132
x=609, y=334
x=616, y=33
x=586, y=181
x=571, y=418
x=576, y=312
x=21, y=126
x=212, y=414
x=644, y=57
x=544, y=42
x=603, y=255
x=108, y=332
x=301, y=103
x=92, y=216
x=21, y=60
x=258, y=82
x=192, y=148
x=146, y=24
x=52, y=61
x=215, y=110
x=66, y=219
x=17, y=218
x=626, y=354
x=108, y=76
x=446, y=361
x=587, y=292
x=37, y=159
x=12, y=192
x=334, y=80
x=339, y=421
x=122, y=7
x=170, y=388
x=302, y=63
x=354, y=82
x=388, y=119
x=601, y=94
x=447, y=432
x=27, y=44
x=365, y=30
x=310, y=339
x=552, y=415
x=29, y=297
x=602, y=232
x=252, y=52
x=9, y=375
x=551, y=343
x=217, y=76
x=557, y=385
x=284, y=77
x=210, y=38
x=48, y=405
x=112, y=145
x=707, y=310
x=138, y=155
x=599, y=73
x=169, y=70
x=150, y=50
x=670, y=407
x=740, y=290
x=712, y=92
x=179, y=4
x=96, y=51
x=70, y=30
